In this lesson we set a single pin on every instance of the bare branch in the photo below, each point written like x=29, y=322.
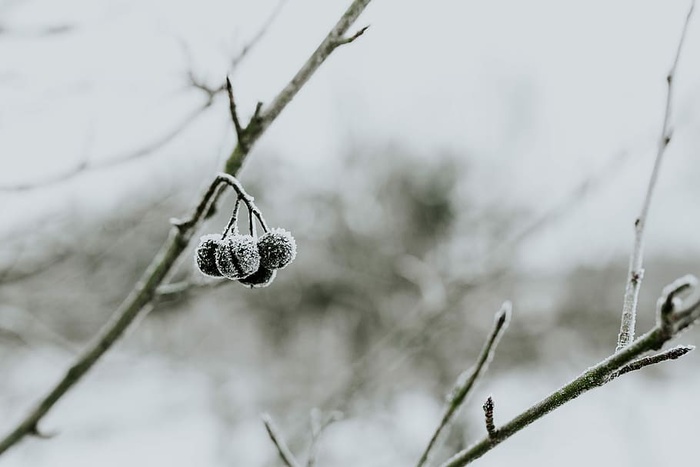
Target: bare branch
x=488, y=418
x=282, y=449
x=467, y=380
x=265, y=117
x=152, y=147
x=636, y=269
x=245, y=50
x=318, y=426
x=139, y=301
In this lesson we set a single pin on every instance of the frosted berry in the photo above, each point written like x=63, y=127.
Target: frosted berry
x=260, y=278
x=205, y=255
x=237, y=257
x=277, y=249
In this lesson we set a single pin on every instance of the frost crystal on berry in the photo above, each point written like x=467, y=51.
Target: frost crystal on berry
x=205, y=255
x=237, y=257
x=260, y=278
x=277, y=249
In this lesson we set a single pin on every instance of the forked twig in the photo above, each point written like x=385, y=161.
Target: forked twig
x=282, y=449
x=318, y=426
x=636, y=269
x=467, y=380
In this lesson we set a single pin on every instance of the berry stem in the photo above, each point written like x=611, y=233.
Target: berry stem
x=233, y=222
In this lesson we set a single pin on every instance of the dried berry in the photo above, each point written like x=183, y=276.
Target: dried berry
x=277, y=249
x=205, y=256
x=260, y=278
x=237, y=257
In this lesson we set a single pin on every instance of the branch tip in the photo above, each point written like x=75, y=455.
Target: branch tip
x=503, y=315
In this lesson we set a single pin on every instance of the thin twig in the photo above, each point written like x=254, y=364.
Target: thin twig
x=282, y=449
x=488, y=418
x=111, y=161
x=139, y=301
x=152, y=147
x=117, y=159
x=467, y=380
x=670, y=354
x=232, y=108
x=636, y=269
x=245, y=50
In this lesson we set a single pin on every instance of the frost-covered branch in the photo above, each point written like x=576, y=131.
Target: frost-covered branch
x=673, y=319
x=467, y=381
x=139, y=301
x=636, y=269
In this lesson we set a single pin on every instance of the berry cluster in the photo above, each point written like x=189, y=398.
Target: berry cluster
x=252, y=261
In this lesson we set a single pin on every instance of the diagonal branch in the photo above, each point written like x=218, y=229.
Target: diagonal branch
x=467, y=380
x=334, y=39
x=139, y=301
x=636, y=269
x=111, y=161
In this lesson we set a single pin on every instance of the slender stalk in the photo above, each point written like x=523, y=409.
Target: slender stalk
x=138, y=302
x=636, y=269
x=282, y=448
x=467, y=381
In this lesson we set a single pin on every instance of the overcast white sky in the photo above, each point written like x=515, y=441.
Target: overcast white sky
x=539, y=94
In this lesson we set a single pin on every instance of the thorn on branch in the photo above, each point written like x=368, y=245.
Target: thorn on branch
x=488, y=418
x=347, y=40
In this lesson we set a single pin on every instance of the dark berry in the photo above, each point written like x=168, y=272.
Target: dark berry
x=260, y=278
x=237, y=257
x=205, y=255
x=277, y=249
